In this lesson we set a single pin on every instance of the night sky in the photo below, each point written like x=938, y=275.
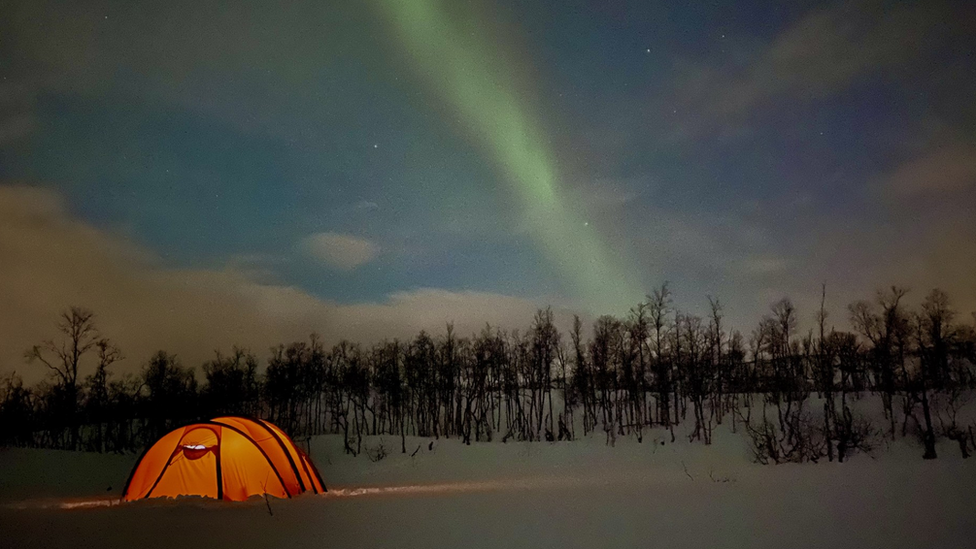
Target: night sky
x=202, y=173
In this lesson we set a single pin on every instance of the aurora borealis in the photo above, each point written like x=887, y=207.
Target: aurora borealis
x=462, y=68
x=203, y=174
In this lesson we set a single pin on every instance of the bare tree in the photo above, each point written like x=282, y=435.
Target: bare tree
x=63, y=359
x=98, y=401
x=81, y=335
x=660, y=304
x=887, y=331
x=934, y=334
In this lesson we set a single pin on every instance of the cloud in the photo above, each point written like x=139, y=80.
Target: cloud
x=826, y=50
x=341, y=251
x=822, y=54
x=50, y=260
x=751, y=256
x=15, y=128
x=947, y=169
x=16, y=111
x=366, y=205
x=763, y=265
x=237, y=67
x=610, y=194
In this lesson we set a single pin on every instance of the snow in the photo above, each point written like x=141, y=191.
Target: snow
x=568, y=494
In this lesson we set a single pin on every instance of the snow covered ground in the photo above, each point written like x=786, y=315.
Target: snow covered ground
x=575, y=494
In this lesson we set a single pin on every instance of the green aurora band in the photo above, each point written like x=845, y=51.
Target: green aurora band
x=461, y=67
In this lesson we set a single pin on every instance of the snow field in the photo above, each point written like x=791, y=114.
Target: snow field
x=567, y=494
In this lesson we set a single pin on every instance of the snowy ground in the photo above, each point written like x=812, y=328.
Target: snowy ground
x=577, y=494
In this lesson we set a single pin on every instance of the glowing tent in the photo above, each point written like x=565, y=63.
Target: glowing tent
x=229, y=458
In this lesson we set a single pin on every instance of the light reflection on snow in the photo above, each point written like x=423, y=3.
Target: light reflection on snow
x=90, y=503
x=482, y=486
x=444, y=488
x=65, y=504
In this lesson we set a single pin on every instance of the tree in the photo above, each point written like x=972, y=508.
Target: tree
x=171, y=394
x=98, y=401
x=16, y=411
x=581, y=392
x=63, y=359
x=78, y=326
x=934, y=334
x=887, y=331
x=231, y=383
x=824, y=374
x=545, y=343
x=660, y=309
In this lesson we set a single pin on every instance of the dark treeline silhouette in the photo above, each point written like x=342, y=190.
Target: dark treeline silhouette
x=797, y=397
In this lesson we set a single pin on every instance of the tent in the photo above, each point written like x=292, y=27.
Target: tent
x=230, y=458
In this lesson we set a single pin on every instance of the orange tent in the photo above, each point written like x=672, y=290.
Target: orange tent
x=230, y=458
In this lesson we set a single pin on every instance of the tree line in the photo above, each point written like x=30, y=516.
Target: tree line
x=798, y=397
